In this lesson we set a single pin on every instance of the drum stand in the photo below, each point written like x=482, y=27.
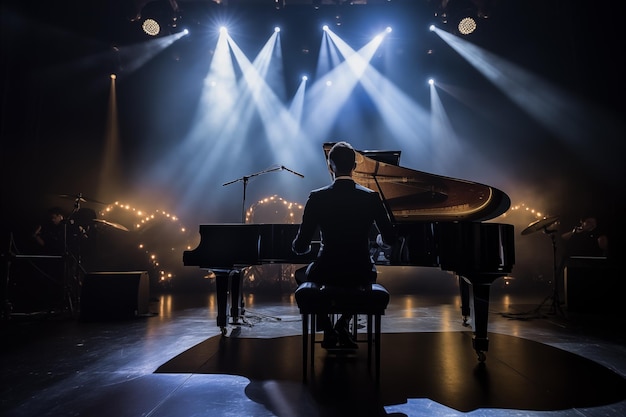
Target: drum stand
x=555, y=306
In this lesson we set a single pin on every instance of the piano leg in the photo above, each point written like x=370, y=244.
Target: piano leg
x=236, y=296
x=221, y=286
x=465, y=300
x=229, y=284
x=480, y=341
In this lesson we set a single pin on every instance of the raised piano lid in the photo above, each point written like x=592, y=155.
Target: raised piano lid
x=412, y=195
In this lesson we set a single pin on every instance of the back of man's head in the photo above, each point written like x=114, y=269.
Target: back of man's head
x=341, y=158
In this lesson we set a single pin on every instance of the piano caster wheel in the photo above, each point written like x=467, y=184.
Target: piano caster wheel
x=465, y=321
x=481, y=356
x=223, y=331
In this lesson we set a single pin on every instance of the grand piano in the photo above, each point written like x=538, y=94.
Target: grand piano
x=441, y=223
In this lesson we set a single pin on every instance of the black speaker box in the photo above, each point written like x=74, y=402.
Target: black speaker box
x=114, y=295
x=592, y=286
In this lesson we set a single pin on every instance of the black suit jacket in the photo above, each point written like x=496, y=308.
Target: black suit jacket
x=345, y=213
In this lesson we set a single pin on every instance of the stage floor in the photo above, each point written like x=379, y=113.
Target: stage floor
x=174, y=362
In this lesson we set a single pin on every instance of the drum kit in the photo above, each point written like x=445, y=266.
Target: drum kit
x=541, y=225
x=80, y=224
x=80, y=199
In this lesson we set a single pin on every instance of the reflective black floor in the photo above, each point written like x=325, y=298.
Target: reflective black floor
x=174, y=362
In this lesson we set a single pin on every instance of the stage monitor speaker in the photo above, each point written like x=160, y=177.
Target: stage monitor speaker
x=591, y=285
x=114, y=295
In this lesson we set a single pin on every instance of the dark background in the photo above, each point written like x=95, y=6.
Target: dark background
x=57, y=57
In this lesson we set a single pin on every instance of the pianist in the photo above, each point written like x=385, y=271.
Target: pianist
x=345, y=213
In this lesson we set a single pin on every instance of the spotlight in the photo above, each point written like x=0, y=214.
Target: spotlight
x=276, y=29
x=388, y=30
x=151, y=27
x=325, y=28
x=467, y=25
x=431, y=28
x=223, y=30
x=431, y=81
x=186, y=32
x=113, y=76
x=304, y=78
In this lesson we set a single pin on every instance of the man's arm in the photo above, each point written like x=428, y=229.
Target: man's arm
x=302, y=242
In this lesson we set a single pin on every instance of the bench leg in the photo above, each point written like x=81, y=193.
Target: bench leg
x=305, y=342
x=369, y=342
x=377, y=346
x=313, y=327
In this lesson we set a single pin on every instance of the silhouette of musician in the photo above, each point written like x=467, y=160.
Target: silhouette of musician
x=50, y=235
x=586, y=239
x=344, y=212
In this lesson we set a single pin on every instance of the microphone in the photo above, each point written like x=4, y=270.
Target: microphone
x=293, y=172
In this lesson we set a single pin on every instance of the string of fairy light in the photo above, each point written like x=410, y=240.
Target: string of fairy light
x=522, y=207
x=290, y=209
x=142, y=219
x=290, y=213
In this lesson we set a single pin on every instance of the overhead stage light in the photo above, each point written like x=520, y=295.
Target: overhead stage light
x=462, y=13
x=467, y=25
x=151, y=27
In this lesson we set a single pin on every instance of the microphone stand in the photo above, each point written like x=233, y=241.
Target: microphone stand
x=235, y=276
x=245, y=180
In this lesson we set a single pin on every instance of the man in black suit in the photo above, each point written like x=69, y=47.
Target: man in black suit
x=344, y=212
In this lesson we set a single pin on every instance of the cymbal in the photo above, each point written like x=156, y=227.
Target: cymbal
x=114, y=225
x=81, y=198
x=539, y=225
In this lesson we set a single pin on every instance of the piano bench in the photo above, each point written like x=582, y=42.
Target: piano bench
x=313, y=300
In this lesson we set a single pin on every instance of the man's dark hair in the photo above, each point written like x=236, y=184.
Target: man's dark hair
x=342, y=156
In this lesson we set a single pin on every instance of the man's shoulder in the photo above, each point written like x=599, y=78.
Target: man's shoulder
x=342, y=187
x=321, y=189
x=364, y=189
x=334, y=187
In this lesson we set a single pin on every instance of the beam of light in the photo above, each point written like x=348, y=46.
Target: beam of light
x=356, y=61
x=274, y=75
x=408, y=123
x=188, y=166
x=108, y=179
x=279, y=125
x=297, y=103
x=565, y=116
x=224, y=120
x=328, y=57
x=448, y=151
x=330, y=92
x=401, y=115
x=137, y=55
x=444, y=139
